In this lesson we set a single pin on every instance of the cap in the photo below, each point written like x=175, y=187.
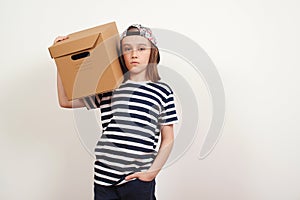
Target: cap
x=142, y=31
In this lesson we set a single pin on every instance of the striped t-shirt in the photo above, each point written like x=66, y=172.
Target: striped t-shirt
x=131, y=117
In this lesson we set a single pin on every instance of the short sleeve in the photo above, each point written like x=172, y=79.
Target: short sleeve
x=93, y=101
x=168, y=114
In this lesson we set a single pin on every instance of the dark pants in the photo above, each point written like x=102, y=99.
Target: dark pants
x=132, y=190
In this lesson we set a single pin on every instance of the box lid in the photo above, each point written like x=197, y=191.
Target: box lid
x=75, y=43
x=81, y=40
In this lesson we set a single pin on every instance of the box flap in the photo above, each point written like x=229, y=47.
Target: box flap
x=75, y=43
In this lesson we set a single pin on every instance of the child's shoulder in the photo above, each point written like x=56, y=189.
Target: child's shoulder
x=163, y=86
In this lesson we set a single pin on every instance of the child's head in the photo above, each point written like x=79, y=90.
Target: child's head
x=139, y=51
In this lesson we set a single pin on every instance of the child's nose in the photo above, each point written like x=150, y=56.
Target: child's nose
x=134, y=54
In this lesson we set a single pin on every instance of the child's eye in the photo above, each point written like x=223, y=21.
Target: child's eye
x=142, y=49
x=127, y=49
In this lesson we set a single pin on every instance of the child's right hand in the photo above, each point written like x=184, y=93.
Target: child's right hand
x=60, y=38
x=62, y=98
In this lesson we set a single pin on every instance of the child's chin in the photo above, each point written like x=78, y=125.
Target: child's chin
x=137, y=68
x=136, y=71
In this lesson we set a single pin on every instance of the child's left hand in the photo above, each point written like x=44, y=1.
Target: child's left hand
x=143, y=176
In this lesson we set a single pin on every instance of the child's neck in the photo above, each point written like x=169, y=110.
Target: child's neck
x=138, y=78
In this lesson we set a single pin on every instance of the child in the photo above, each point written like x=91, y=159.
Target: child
x=133, y=117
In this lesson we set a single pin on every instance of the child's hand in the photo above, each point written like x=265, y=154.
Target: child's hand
x=143, y=176
x=60, y=38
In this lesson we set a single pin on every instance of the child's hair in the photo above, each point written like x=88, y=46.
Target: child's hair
x=151, y=71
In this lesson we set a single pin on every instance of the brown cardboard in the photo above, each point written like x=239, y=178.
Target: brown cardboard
x=99, y=72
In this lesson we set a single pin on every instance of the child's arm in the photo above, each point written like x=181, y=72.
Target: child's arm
x=62, y=98
x=167, y=141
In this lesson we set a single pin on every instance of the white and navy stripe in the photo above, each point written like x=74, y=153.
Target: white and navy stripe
x=131, y=116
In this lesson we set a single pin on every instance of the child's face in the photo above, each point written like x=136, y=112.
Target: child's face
x=136, y=52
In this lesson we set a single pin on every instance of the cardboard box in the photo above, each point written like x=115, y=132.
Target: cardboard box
x=88, y=61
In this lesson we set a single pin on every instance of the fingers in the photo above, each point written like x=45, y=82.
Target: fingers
x=131, y=176
x=144, y=176
x=60, y=38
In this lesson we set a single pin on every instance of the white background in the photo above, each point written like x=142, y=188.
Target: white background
x=255, y=46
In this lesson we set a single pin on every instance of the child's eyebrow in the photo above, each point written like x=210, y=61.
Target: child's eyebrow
x=130, y=44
